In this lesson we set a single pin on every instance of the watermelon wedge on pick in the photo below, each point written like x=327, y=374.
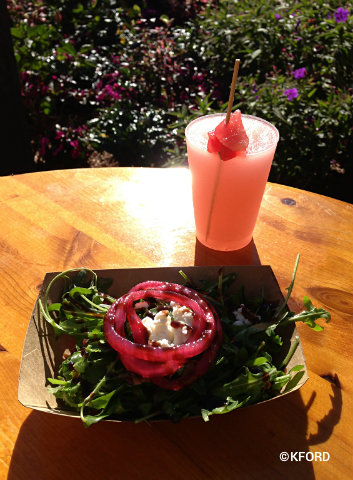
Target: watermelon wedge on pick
x=228, y=139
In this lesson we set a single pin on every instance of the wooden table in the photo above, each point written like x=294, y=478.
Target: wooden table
x=132, y=217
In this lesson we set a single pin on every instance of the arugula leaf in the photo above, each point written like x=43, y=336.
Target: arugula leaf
x=308, y=316
x=79, y=290
x=283, y=306
x=294, y=381
x=70, y=392
x=229, y=406
x=102, y=401
x=56, y=381
x=245, y=382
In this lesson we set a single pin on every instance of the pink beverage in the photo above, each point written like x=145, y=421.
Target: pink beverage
x=227, y=194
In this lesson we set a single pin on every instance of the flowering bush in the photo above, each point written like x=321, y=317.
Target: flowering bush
x=295, y=72
x=106, y=84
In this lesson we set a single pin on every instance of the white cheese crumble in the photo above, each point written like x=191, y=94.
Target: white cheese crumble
x=240, y=317
x=182, y=314
x=167, y=330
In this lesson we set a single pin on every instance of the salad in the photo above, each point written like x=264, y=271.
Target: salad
x=170, y=351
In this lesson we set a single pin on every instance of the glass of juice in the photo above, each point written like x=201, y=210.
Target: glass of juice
x=227, y=194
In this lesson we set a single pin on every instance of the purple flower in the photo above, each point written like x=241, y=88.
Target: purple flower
x=341, y=15
x=278, y=16
x=300, y=73
x=291, y=93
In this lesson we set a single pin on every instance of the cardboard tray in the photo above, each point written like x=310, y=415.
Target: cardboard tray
x=42, y=353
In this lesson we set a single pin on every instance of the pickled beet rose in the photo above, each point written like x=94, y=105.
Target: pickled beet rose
x=154, y=362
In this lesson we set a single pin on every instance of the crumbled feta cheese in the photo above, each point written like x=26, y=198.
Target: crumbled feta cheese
x=166, y=332
x=160, y=329
x=182, y=314
x=241, y=319
x=181, y=334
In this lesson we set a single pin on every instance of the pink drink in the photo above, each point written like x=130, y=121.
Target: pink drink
x=227, y=194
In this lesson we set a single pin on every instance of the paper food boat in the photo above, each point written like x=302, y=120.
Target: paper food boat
x=43, y=353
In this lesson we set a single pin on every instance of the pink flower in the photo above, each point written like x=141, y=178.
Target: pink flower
x=76, y=152
x=59, y=134
x=44, y=142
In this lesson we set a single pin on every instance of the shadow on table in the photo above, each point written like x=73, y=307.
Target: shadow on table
x=245, y=256
x=245, y=444
x=333, y=416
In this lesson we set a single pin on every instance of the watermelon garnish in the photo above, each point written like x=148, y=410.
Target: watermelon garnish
x=228, y=138
x=226, y=154
x=213, y=144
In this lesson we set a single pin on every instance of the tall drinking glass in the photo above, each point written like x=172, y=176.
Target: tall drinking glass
x=227, y=194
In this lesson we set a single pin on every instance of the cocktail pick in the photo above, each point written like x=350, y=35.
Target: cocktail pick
x=229, y=111
x=232, y=89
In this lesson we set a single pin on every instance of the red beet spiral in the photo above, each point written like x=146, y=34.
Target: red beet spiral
x=159, y=364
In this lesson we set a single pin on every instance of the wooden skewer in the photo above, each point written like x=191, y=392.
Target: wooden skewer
x=229, y=111
x=232, y=89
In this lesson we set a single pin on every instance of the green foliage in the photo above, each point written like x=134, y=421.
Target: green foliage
x=111, y=76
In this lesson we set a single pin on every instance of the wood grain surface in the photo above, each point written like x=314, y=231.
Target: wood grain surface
x=138, y=217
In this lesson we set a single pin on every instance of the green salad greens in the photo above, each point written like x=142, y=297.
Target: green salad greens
x=250, y=365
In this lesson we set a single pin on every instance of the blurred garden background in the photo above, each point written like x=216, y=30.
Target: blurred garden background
x=114, y=83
